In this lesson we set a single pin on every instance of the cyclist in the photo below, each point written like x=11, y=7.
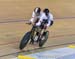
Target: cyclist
x=46, y=17
x=36, y=15
x=35, y=18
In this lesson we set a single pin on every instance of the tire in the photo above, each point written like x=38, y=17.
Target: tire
x=24, y=40
x=42, y=42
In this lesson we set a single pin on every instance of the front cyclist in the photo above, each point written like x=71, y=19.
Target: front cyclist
x=36, y=15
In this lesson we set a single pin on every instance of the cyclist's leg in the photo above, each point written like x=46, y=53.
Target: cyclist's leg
x=32, y=35
x=36, y=34
x=37, y=31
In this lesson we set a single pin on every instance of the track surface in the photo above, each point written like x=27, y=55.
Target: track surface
x=59, y=35
x=12, y=24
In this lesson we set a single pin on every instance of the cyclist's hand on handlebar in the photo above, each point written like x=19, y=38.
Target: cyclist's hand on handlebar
x=45, y=26
x=29, y=23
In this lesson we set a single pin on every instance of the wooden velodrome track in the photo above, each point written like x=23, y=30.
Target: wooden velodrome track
x=13, y=27
x=61, y=33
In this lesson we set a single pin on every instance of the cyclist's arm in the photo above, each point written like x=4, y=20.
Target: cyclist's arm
x=32, y=18
x=51, y=19
x=42, y=17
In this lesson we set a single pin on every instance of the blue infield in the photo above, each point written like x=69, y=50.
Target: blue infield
x=61, y=53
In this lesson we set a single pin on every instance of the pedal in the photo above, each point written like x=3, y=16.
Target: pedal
x=31, y=42
x=35, y=39
x=43, y=38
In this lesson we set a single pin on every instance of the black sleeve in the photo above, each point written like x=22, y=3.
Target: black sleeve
x=51, y=23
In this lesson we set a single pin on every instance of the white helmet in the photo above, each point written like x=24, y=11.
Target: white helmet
x=37, y=10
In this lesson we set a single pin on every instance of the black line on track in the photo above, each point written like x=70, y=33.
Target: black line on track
x=37, y=49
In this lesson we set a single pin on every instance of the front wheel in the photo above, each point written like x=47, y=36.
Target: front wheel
x=25, y=40
x=43, y=39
